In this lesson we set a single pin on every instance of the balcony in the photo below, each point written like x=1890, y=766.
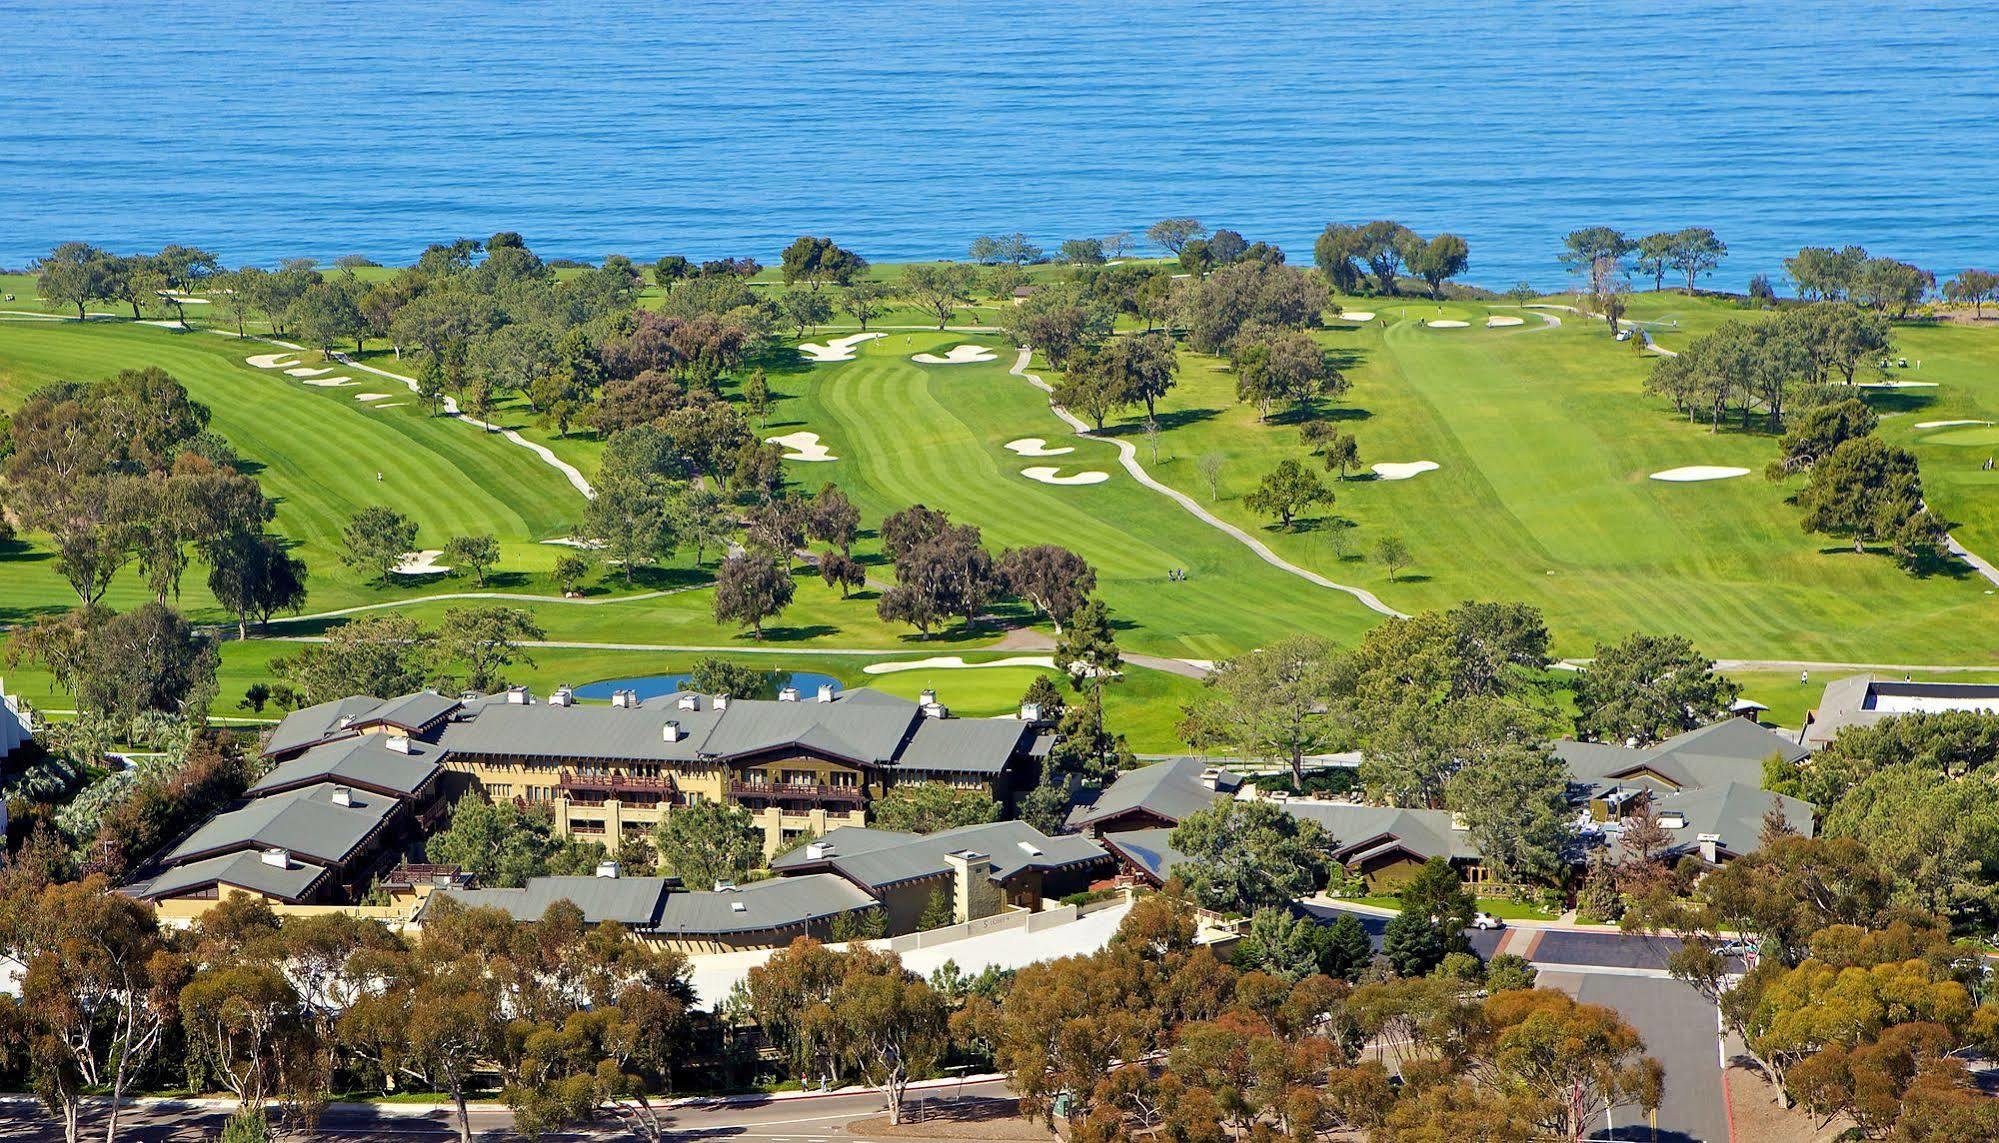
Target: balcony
x=797, y=791
x=595, y=789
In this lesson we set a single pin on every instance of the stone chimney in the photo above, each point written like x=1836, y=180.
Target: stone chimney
x=1211, y=778
x=973, y=891
x=400, y=743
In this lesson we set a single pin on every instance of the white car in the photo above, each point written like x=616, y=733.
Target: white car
x=1486, y=921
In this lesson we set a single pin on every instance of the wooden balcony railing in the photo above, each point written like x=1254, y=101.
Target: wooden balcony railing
x=797, y=791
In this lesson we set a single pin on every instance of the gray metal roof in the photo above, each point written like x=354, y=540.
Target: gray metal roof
x=244, y=870
x=1171, y=790
x=633, y=901
x=963, y=745
x=1731, y=750
x=880, y=858
x=1733, y=813
x=1853, y=701
x=413, y=712
x=1149, y=849
x=306, y=822
x=316, y=723
x=779, y=903
x=543, y=730
x=1425, y=833
x=363, y=760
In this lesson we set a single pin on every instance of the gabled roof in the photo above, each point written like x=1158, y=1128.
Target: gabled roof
x=306, y=822
x=1359, y=830
x=1731, y=750
x=318, y=723
x=869, y=730
x=414, y=713
x=780, y=903
x=544, y=730
x=243, y=870
x=1151, y=850
x=1170, y=790
x=877, y=859
x=963, y=745
x=363, y=760
x=633, y=901
x=1733, y=813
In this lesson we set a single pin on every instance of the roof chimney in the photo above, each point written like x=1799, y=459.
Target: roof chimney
x=721, y=702
x=818, y=850
x=825, y=692
x=671, y=732
x=1030, y=712
x=1673, y=819
x=400, y=743
x=342, y=796
x=725, y=886
x=563, y=696
x=607, y=869
x=276, y=858
x=1710, y=844
x=690, y=701
x=1211, y=778
x=788, y=694
x=519, y=696
x=927, y=698
x=621, y=698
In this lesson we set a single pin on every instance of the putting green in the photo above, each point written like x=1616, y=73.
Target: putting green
x=1980, y=436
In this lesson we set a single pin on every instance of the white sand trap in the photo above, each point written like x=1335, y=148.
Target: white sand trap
x=958, y=355
x=271, y=360
x=1496, y=321
x=956, y=663
x=838, y=349
x=1402, y=469
x=1047, y=475
x=307, y=371
x=1898, y=384
x=1947, y=424
x=1448, y=324
x=389, y=405
x=573, y=542
x=1355, y=315
x=373, y=396
x=1694, y=472
x=330, y=382
x=802, y=446
x=165, y=323
x=183, y=300
x=1035, y=446
x=422, y=563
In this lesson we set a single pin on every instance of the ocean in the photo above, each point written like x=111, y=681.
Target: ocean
x=264, y=131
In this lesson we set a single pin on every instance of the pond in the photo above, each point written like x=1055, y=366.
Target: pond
x=653, y=686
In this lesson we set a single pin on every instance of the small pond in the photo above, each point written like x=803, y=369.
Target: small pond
x=653, y=686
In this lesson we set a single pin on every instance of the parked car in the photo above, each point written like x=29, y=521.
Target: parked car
x=1486, y=921
x=1737, y=947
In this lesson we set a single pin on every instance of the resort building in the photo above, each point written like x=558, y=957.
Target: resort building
x=800, y=765
x=17, y=728
x=1154, y=796
x=1860, y=700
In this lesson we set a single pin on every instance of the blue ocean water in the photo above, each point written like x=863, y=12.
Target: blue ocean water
x=902, y=129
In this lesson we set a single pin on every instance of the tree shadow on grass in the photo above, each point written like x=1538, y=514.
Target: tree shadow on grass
x=792, y=634
x=1409, y=577
x=1168, y=421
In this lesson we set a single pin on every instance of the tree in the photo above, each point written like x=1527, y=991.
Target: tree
x=866, y=300
x=1272, y=703
x=805, y=309
x=1211, y=465
x=1337, y=252
x=1597, y=252
x=73, y=274
x=255, y=574
x=891, y=1027
x=487, y=640
x=1055, y=580
x=1173, y=234
x=1870, y=490
x=1695, y=251
x=1087, y=649
x=709, y=843
x=1579, y=1058
x=939, y=288
x=1340, y=450
x=381, y=655
x=1413, y=944
x=1289, y=489
x=1974, y=286
x=817, y=260
x=1937, y=836
x=1382, y=244
x=1083, y=251
x=1439, y=260
x=1892, y=286
x=1392, y=552
x=1141, y=367
x=1288, y=946
x=1283, y=365
x=1242, y=856
x=842, y=571
x=833, y=519
x=1514, y=804
x=569, y=569
x=710, y=675
x=1436, y=893
x=750, y=589
x=475, y=552
x=926, y=807
x=1655, y=256
x=99, y=993
x=501, y=843
x=376, y=538
x=949, y=573
x=1650, y=687
x=145, y=660
x=1818, y=431
x=629, y=520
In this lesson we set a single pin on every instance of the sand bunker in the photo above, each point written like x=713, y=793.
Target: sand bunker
x=1402, y=470
x=1035, y=446
x=1947, y=424
x=959, y=355
x=307, y=371
x=184, y=300
x=1048, y=475
x=1898, y=384
x=1448, y=324
x=573, y=542
x=802, y=446
x=956, y=663
x=331, y=382
x=1694, y=472
x=1495, y=321
x=1355, y=315
x=389, y=405
x=838, y=349
x=422, y=563
x=373, y=396
x=272, y=360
